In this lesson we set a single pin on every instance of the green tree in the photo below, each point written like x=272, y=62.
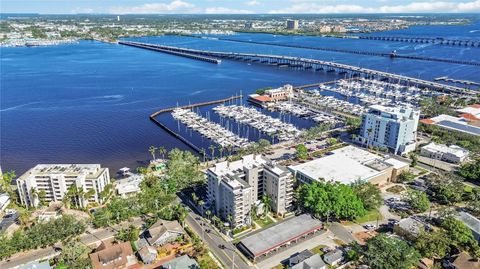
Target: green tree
x=405, y=177
x=330, y=199
x=129, y=234
x=447, y=188
x=301, y=151
x=263, y=144
x=183, y=168
x=368, y=193
x=471, y=170
x=414, y=158
x=6, y=181
x=433, y=244
x=383, y=252
x=459, y=235
x=73, y=255
x=267, y=204
x=418, y=201
x=162, y=151
x=152, y=150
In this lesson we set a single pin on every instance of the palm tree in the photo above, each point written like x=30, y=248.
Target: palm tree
x=220, y=150
x=34, y=196
x=253, y=212
x=208, y=213
x=7, y=178
x=266, y=200
x=152, y=150
x=230, y=149
x=89, y=194
x=203, y=153
x=194, y=198
x=369, y=131
x=230, y=220
x=200, y=204
x=212, y=149
x=162, y=151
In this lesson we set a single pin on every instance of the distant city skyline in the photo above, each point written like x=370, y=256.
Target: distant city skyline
x=238, y=6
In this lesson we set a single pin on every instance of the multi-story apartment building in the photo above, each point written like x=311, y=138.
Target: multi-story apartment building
x=235, y=187
x=393, y=128
x=292, y=24
x=56, y=179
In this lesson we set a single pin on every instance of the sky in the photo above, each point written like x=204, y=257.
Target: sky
x=237, y=6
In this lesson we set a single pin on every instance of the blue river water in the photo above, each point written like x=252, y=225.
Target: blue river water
x=89, y=102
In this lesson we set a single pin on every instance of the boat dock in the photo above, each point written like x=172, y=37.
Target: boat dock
x=316, y=65
x=153, y=117
x=177, y=53
x=461, y=81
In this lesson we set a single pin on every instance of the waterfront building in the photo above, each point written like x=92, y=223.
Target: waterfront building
x=292, y=24
x=280, y=94
x=129, y=185
x=362, y=165
x=390, y=127
x=324, y=29
x=451, y=154
x=235, y=187
x=56, y=179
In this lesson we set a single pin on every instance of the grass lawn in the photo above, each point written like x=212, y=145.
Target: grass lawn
x=396, y=189
x=264, y=222
x=205, y=261
x=318, y=249
x=371, y=215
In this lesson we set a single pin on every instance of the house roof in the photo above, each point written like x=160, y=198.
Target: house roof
x=427, y=121
x=182, y=262
x=313, y=262
x=299, y=257
x=333, y=256
x=112, y=256
x=161, y=227
x=147, y=253
x=465, y=261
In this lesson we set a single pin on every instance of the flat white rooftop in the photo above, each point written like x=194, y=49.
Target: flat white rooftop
x=248, y=161
x=71, y=169
x=452, y=149
x=345, y=165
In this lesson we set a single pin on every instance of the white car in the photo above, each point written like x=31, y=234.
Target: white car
x=369, y=226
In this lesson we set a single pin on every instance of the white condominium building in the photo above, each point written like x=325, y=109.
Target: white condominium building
x=452, y=153
x=56, y=179
x=234, y=187
x=390, y=127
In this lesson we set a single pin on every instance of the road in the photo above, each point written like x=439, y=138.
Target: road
x=214, y=240
x=91, y=239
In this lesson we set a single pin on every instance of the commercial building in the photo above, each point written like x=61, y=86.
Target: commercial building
x=54, y=181
x=462, y=124
x=451, y=154
x=349, y=164
x=275, y=238
x=292, y=24
x=389, y=127
x=234, y=187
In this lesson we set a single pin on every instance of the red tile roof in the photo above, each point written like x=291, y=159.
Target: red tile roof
x=427, y=121
x=262, y=98
x=475, y=105
x=469, y=116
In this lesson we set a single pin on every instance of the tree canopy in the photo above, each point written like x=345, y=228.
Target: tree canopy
x=301, y=151
x=383, y=252
x=418, y=201
x=471, y=170
x=330, y=200
x=183, y=168
x=447, y=188
x=368, y=193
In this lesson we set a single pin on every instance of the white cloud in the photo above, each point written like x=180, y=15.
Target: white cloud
x=224, y=10
x=415, y=7
x=253, y=3
x=176, y=6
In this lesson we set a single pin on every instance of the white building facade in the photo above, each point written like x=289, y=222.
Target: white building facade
x=235, y=187
x=56, y=179
x=393, y=128
x=451, y=154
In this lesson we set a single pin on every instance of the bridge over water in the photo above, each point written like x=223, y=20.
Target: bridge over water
x=308, y=64
x=437, y=40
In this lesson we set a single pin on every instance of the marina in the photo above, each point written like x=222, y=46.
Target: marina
x=252, y=117
x=305, y=112
x=211, y=130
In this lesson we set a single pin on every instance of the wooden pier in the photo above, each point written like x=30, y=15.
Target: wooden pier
x=170, y=109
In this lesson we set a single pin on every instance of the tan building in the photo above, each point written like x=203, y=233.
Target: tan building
x=113, y=256
x=280, y=94
x=362, y=165
x=235, y=187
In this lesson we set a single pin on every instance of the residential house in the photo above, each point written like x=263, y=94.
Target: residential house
x=182, y=262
